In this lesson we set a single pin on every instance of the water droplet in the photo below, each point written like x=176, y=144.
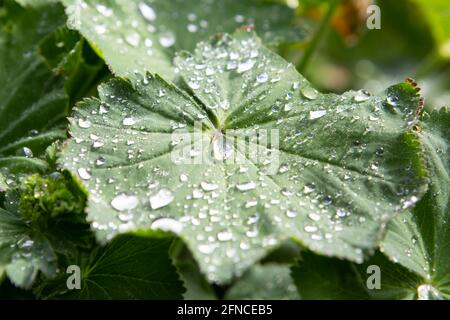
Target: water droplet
x=362, y=95
x=288, y=107
x=231, y=65
x=206, y=248
x=128, y=121
x=283, y=168
x=262, y=77
x=392, y=101
x=209, y=71
x=100, y=161
x=245, y=66
x=192, y=27
x=408, y=203
x=250, y=204
x=208, y=186
x=103, y=109
x=100, y=28
x=224, y=236
x=167, y=224
x=84, y=173
x=286, y=192
x=246, y=186
x=314, y=216
x=197, y=194
x=291, y=213
x=133, y=39
x=147, y=11
x=379, y=151
x=222, y=148
x=125, y=217
x=84, y=123
x=161, y=199
x=184, y=177
x=341, y=213
x=124, y=202
x=310, y=187
x=25, y=244
x=98, y=144
x=104, y=10
x=167, y=39
x=194, y=85
x=252, y=233
x=310, y=228
x=239, y=18
x=309, y=92
x=317, y=114
x=27, y=152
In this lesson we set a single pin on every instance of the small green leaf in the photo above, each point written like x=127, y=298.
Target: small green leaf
x=341, y=168
x=264, y=282
x=23, y=252
x=71, y=56
x=149, y=32
x=41, y=221
x=56, y=196
x=33, y=103
x=130, y=267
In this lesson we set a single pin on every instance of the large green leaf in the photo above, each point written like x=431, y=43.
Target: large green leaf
x=130, y=267
x=346, y=164
x=143, y=35
x=33, y=103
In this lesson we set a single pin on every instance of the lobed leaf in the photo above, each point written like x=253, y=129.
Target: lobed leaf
x=344, y=165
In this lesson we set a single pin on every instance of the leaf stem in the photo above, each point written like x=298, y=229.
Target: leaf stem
x=321, y=30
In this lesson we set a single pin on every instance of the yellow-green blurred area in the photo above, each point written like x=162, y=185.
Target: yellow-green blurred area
x=413, y=41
